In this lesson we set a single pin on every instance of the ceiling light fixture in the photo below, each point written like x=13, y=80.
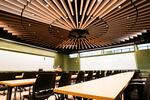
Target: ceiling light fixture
x=78, y=33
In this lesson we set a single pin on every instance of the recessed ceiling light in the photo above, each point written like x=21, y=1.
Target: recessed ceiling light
x=71, y=0
x=29, y=0
x=33, y=14
x=29, y=24
x=47, y=5
x=119, y=7
x=66, y=17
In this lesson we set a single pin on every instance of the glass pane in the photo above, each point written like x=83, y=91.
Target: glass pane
x=73, y=55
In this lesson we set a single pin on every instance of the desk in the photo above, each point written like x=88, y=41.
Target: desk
x=14, y=83
x=107, y=88
x=21, y=82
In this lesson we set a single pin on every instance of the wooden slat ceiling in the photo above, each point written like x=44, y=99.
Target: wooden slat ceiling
x=49, y=23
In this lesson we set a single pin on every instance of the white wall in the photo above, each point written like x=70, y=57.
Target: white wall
x=109, y=62
x=13, y=61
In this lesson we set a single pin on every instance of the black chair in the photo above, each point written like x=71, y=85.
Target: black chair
x=146, y=92
x=43, y=87
x=80, y=77
x=116, y=72
x=108, y=73
x=102, y=74
x=137, y=74
x=7, y=76
x=138, y=90
x=4, y=77
x=26, y=75
x=64, y=80
x=90, y=76
x=97, y=75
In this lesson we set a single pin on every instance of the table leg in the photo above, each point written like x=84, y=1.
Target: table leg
x=9, y=92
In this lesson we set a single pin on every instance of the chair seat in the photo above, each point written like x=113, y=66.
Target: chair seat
x=40, y=95
x=2, y=88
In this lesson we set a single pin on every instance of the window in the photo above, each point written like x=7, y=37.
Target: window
x=14, y=61
x=91, y=53
x=73, y=55
x=109, y=62
x=144, y=46
x=108, y=51
x=119, y=50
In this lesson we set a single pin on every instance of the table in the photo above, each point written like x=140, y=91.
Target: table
x=106, y=88
x=14, y=83
x=21, y=82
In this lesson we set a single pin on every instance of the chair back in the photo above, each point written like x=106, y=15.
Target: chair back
x=7, y=76
x=29, y=75
x=80, y=77
x=44, y=81
x=108, y=73
x=102, y=74
x=65, y=79
x=146, y=92
x=90, y=76
x=97, y=74
x=116, y=72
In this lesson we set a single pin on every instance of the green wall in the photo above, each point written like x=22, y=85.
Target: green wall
x=60, y=60
x=73, y=64
x=68, y=64
x=143, y=59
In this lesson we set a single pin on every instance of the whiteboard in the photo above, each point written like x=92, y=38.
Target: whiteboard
x=124, y=61
x=14, y=61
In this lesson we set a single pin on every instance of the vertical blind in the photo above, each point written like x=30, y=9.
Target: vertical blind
x=109, y=62
x=14, y=61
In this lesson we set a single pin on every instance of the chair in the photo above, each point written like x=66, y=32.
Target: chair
x=146, y=92
x=116, y=72
x=90, y=76
x=43, y=87
x=29, y=75
x=64, y=80
x=26, y=75
x=102, y=74
x=4, y=77
x=108, y=73
x=97, y=75
x=80, y=77
x=138, y=91
x=7, y=76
